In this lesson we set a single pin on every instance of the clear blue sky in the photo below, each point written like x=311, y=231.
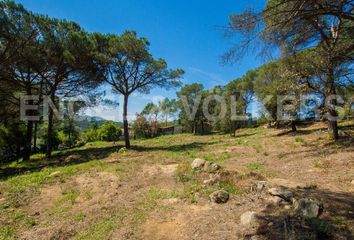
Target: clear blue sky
x=186, y=33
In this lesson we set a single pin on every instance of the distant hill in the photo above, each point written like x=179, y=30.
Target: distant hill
x=85, y=122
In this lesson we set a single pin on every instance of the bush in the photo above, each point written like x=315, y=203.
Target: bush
x=91, y=135
x=109, y=131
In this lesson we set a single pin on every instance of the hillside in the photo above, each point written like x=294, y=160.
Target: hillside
x=102, y=191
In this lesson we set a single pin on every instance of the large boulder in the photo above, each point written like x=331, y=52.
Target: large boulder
x=198, y=163
x=220, y=196
x=308, y=208
x=249, y=219
x=282, y=193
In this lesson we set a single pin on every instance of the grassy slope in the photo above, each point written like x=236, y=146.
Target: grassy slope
x=254, y=151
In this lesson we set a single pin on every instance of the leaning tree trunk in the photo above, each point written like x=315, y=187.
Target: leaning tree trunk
x=125, y=122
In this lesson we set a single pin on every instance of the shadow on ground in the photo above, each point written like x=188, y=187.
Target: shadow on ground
x=85, y=155
x=173, y=148
x=336, y=221
x=61, y=159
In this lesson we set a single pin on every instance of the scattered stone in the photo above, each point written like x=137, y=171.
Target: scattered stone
x=275, y=200
x=55, y=174
x=212, y=167
x=261, y=185
x=287, y=207
x=220, y=196
x=249, y=219
x=198, y=163
x=206, y=166
x=309, y=208
x=281, y=192
x=122, y=150
x=171, y=201
x=212, y=180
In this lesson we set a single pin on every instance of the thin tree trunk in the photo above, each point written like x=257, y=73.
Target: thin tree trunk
x=49, y=134
x=29, y=133
x=332, y=121
x=333, y=126
x=50, y=129
x=35, y=137
x=28, y=144
x=293, y=126
x=125, y=122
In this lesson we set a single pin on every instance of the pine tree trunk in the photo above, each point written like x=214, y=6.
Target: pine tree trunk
x=293, y=126
x=49, y=134
x=125, y=122
x=28, y=144
x=35, y=137
x=332, y=122
x=50, y=130
x=333, y=126
x=29, y=132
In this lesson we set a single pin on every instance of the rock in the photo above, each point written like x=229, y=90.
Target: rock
x=122, y=150
x=206, y=166
x=198, y=163
x=287, y=207
x=220, y=196
x=55, y=174
x=281, y=192
x=275, y=200
x=249, y=219
x=352, y=182
x=212, y=180
x=309, y=208
x=211, y=167
x=261, y=185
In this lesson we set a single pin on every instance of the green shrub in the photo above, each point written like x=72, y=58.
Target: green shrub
x=109, y=131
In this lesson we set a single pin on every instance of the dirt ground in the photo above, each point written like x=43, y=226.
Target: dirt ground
x=144, y=193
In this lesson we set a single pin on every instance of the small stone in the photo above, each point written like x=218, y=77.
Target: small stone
x=249, y=219
x=309, y=208
x=270, y=224
x=206, y=166
x=287, y=207
x=220, y=196
x=213, y=167
x=198, y=163
x=212, y=180
x=55, y=174
x=281, y=192
x=276, y=200
x=122, y=150
x=261, y=185
x=352, y=182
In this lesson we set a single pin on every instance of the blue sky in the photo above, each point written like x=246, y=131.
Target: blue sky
x=186, y=33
